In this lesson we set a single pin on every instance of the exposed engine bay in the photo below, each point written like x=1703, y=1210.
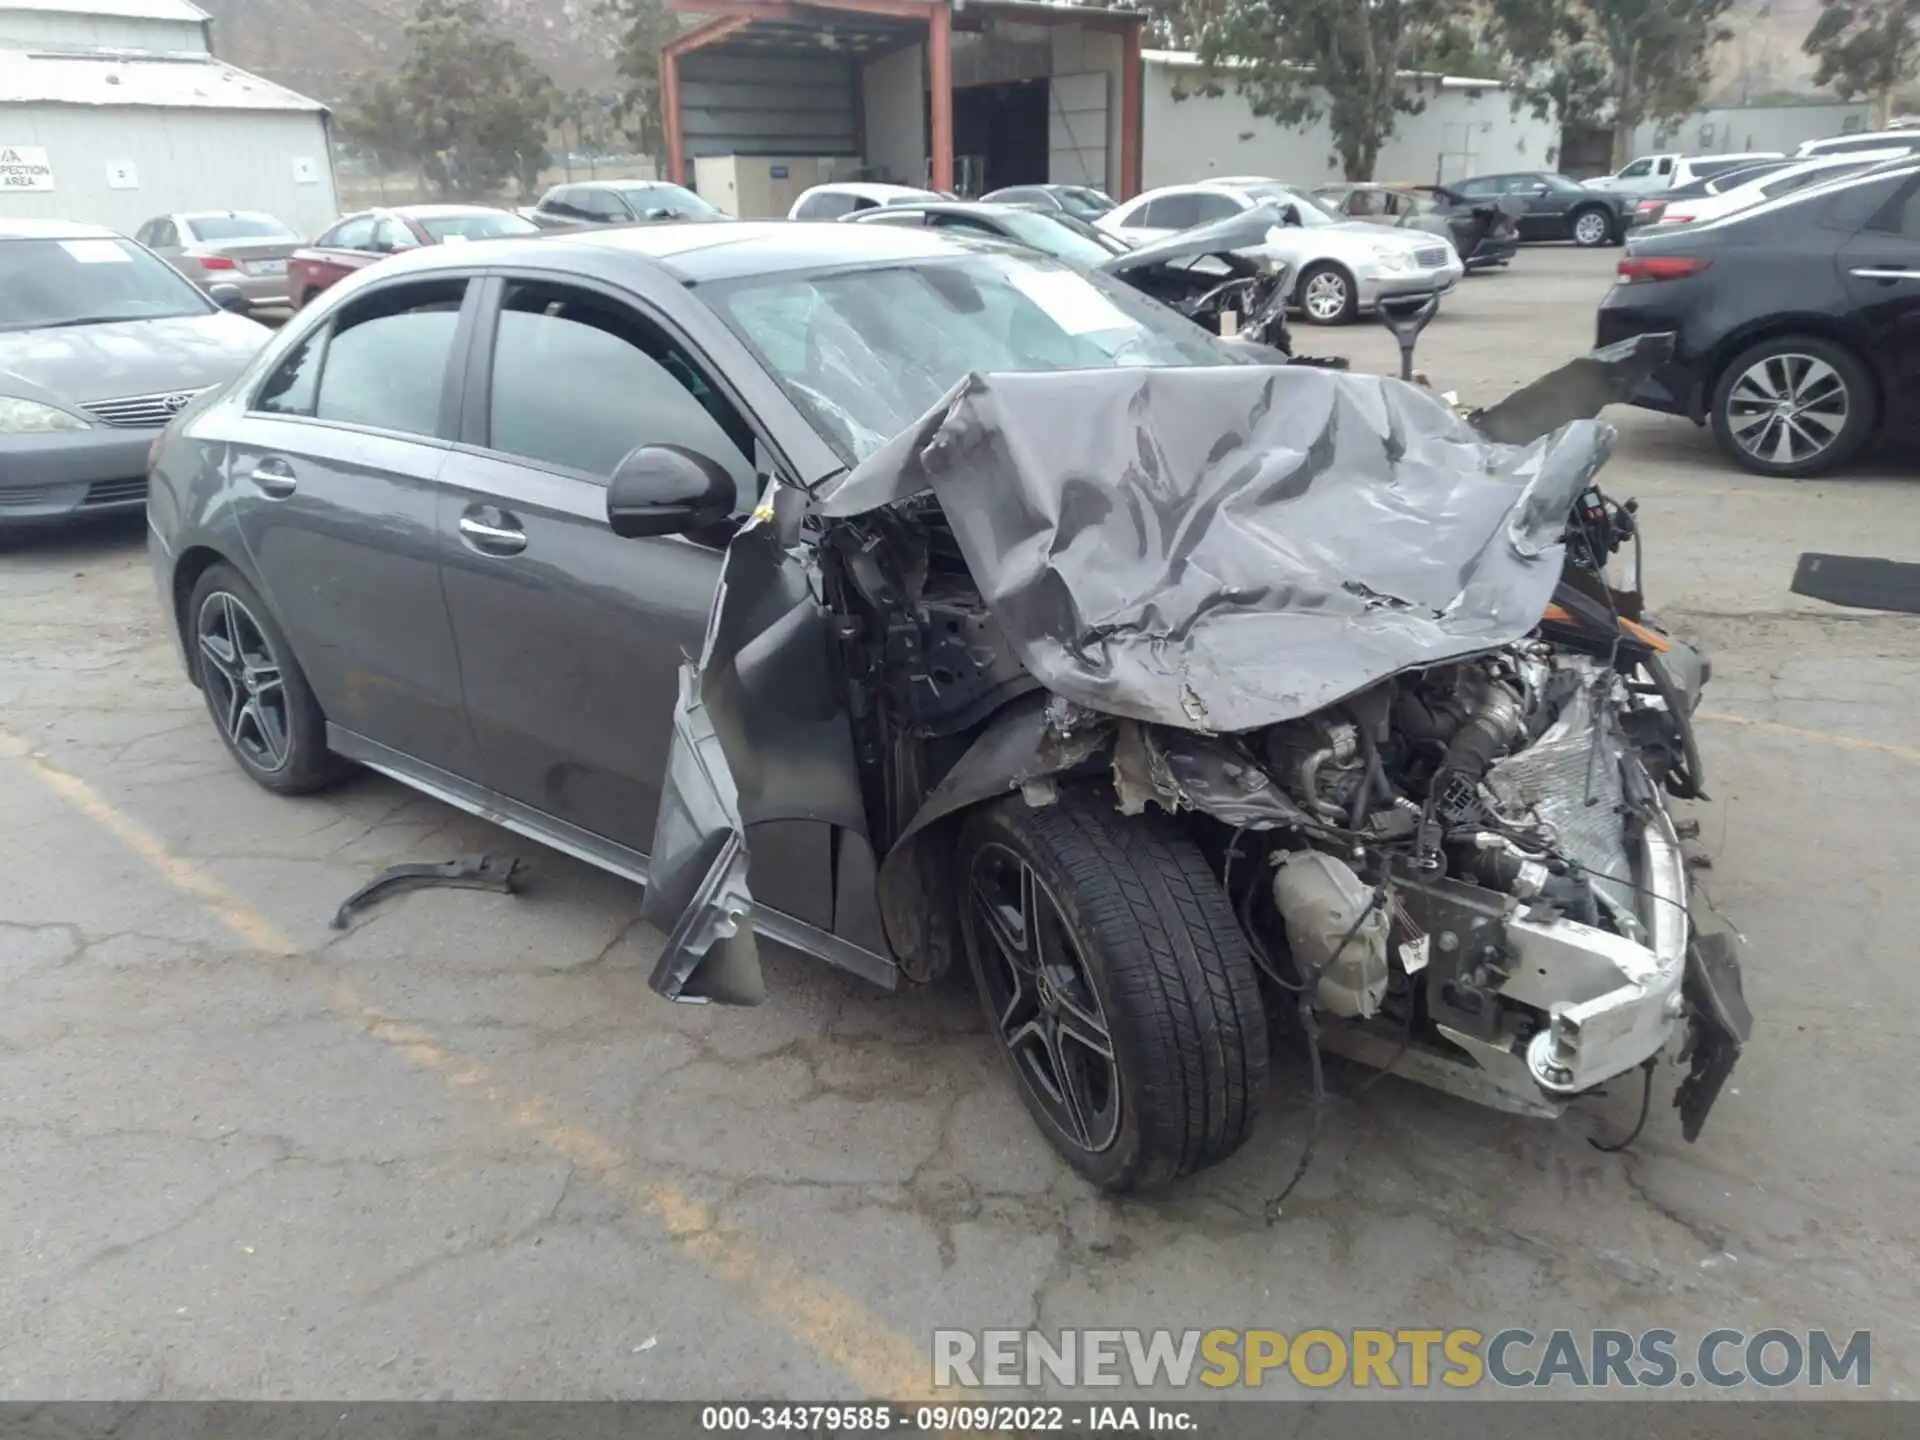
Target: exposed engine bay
x=1469, y=864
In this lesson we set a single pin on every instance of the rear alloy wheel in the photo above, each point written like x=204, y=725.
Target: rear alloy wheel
x=1591, y=229
x=1326, y=295
x=254, y=688
x=1792, y=407
x=1117, y=983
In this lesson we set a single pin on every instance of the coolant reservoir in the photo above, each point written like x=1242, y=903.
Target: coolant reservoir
x=1320, y=898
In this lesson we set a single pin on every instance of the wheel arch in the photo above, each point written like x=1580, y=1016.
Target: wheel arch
x=1779, y=327
x=1014, y=748
x=192, y=563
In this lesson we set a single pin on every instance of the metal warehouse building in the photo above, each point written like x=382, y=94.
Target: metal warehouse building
x=115, y=111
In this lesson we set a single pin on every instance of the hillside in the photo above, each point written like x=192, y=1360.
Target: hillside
x=319, y=48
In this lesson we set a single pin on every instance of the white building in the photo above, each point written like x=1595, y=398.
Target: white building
x=115, y=111
x=1467, y=127
x=1728, y=129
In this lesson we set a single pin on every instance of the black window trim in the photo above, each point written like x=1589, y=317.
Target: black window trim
x=447, y=424
x=473, y=422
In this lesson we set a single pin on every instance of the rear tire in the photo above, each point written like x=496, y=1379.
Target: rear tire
x=1591, y=227
x=255, y=690
x=1140, y=948
x=1828, y=397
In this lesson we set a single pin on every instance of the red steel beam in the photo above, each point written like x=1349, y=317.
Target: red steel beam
x=940, y=84
x=670, y=115
x=711, y=33
x=1131, y=80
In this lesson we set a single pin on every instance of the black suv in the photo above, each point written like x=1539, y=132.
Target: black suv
x=1796, y=322
x=619, y=202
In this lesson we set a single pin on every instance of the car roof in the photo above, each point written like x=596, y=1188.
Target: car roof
x=722, y=250
x=54, y=230
x=867, y=189
x=436, y=212
x=990, y=208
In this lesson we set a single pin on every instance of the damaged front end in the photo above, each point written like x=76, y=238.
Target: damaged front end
x=1371, y=658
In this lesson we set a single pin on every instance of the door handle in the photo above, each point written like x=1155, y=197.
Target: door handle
x=275, y=478
x=503, y=538
x=1885, y=272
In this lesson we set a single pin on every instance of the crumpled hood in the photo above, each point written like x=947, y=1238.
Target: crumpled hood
x=1226, y=548
x=81, y=363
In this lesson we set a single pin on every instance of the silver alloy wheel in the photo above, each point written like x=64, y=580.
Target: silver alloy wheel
x=1590, y=228
x=1788, y=408
x=244, y=682
x=1326, y=297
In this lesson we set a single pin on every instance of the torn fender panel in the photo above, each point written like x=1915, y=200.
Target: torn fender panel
x=760, y=734
x=1225, y=548
x=697, y=878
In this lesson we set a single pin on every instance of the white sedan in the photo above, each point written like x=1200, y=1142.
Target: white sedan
x=1770, y=186
x=1341, y=268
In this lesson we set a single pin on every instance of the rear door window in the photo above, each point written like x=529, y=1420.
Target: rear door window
x=829, y=205
x=353, y=234
x=386, y=357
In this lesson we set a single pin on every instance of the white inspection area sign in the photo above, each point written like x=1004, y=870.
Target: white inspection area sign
x=25, y=167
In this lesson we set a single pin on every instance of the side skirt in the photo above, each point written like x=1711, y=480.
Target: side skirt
x=594, y=850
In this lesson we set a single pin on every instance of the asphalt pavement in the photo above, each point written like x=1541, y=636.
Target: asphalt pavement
x=462, y=1150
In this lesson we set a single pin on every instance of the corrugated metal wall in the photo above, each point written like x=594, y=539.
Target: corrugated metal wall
x=767, y=105
x=36, y=29
x=180, y=160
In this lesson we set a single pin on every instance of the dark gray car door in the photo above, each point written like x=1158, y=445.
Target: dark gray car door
x=1882, y=274
x=334, y=468
x=571, y=638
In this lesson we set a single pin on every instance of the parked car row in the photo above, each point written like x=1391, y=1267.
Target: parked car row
x=1796, y=318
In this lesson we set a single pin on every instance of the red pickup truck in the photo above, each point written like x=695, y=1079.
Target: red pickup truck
x=359, y=240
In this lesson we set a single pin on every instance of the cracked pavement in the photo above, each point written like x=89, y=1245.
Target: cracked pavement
x=461, y=1150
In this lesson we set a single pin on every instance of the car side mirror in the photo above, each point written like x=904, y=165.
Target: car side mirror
x=667, y=490
x=229, y=297
x=1290, y=215
x=1539, y=187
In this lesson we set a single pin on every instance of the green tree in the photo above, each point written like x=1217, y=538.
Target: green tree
x=644, y=26
x=477, y=103
x=375, y=125
x=1867, y=47
x=1344, y=61
x=1615, y=63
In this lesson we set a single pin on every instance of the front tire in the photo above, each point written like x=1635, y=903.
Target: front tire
x=255, y=690
x=1117, y=983
x=1793, y=406
x=1327, y=295
x=1591, y=228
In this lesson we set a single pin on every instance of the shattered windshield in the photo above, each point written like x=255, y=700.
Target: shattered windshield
x=865, y=353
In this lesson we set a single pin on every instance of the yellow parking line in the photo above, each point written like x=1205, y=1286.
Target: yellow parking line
x=1845, y=742
x=832, y=1324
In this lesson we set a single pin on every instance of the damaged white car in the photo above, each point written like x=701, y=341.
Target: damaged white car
x=1254, y=693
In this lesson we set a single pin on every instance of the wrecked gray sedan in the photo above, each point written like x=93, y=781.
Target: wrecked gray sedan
x=1176, y=702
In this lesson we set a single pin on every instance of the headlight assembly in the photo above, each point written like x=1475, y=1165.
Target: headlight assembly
x=30, y=417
